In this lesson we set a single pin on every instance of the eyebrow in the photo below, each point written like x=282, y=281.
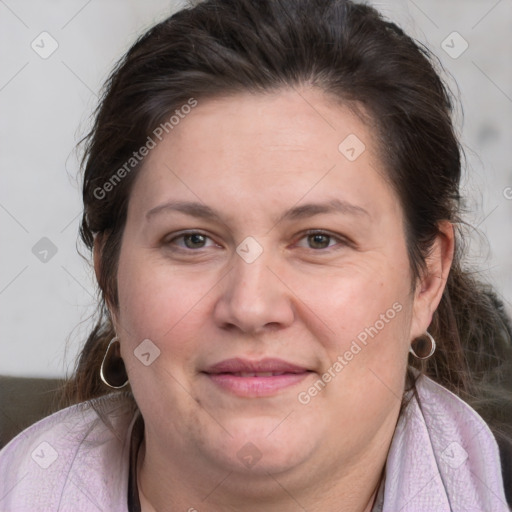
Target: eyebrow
x=200, y=210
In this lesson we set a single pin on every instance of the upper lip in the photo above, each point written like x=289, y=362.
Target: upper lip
x=237, y=365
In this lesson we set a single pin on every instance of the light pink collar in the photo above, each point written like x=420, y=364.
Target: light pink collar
x=443, y=458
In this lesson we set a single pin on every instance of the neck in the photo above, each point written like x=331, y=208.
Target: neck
x=357, y=489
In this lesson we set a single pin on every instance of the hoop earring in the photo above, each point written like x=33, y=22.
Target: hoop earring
x=422, y=350
x=112, y=369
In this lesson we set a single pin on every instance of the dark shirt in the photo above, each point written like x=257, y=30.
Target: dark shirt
x=136, y=440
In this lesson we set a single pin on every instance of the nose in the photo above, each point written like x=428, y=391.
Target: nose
x=254, y=297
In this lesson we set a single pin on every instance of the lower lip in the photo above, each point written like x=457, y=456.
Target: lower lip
x=256, y=386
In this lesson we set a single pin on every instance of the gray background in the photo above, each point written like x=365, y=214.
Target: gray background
x=46, y=298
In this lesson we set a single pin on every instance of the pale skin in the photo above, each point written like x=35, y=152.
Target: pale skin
x=303, y=300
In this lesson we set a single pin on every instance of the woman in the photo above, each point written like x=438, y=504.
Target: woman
x=271, y=197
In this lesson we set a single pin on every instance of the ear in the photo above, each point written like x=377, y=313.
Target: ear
x=431, y=284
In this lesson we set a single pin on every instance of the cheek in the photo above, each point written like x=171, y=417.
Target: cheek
x=159, y=305
x=154, y=299
x=368, y=312
x=361, y=303
x=169, y=307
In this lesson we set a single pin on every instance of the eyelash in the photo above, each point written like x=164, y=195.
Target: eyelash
x=341, y=240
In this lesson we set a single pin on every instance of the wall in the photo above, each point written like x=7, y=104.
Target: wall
x=47, y=291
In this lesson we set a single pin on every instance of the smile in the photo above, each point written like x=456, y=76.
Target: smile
x=262, y=378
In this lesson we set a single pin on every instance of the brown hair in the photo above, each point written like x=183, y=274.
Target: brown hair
x=348, y=50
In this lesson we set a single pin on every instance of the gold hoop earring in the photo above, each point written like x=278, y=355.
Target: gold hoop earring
x=421, y=347
x=112, y=369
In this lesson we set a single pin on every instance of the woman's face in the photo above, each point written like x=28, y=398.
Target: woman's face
x=252, y=345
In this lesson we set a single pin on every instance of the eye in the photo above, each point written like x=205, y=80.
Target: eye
x=315, y=239
x=322, y=240
x=191, y=240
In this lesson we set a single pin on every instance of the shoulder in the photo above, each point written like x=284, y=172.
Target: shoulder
x=77, y=457
x=443, y=456
x=448, y=415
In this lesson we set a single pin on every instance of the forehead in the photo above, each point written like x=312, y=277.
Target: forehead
x=263, y=150
x=306, y=120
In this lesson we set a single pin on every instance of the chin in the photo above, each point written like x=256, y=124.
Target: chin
x=263, y=446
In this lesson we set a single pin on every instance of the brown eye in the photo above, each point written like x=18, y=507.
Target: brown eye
x=193, y=240
x=319, y=241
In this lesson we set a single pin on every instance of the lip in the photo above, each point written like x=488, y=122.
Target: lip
x=247, y=378
x=237, y=365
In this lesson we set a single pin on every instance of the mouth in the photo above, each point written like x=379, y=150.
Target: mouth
x=246, y=378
